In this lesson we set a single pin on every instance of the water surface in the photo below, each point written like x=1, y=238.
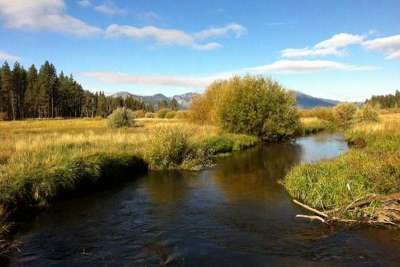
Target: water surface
x=236, y=214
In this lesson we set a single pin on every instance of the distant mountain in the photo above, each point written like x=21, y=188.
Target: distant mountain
x=184, y=100
x=307, y=101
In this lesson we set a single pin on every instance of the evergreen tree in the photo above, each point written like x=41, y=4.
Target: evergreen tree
x=30, y=103
x=6, y=88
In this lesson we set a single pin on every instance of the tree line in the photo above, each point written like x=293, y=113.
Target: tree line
x=386, y=101
x=42, y=93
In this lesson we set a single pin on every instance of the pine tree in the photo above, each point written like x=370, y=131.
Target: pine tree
x=30, y=103
x=19, y=85
x=6, y=83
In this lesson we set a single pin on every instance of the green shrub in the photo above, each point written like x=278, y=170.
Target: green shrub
x=367, y=114
x=121, y=117
x=163, y=112
x=344, y=114
x=167, y=147
x=249, y=105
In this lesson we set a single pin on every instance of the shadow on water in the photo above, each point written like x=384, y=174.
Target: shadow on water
x=235, y=214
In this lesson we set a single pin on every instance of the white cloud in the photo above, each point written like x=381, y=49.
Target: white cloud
x=302, y=66
x=163, y=80
x=340, y=40
x=109, y=8
x=6, y=56
x=234, y=28
x=43, y=14
x=331, y=47
x=172, y=36
x=307, y=52
x=282, y=66
x=390, y=46
x=84, y=3
x=51, y=15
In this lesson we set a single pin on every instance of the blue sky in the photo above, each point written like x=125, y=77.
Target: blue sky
x=346, y=50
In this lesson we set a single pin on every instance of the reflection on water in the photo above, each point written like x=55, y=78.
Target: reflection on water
x=235, y=214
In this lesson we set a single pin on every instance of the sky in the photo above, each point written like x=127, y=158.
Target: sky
x=338, y=49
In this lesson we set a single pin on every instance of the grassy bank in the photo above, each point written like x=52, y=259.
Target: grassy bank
x=41, y=160
x=313, y=125
x=371, y=167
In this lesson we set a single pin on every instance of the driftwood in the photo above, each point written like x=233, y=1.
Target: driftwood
x=386, y=213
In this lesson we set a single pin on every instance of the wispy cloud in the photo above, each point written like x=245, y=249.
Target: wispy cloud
x=148, y=16
x=307, y=66
x=390, y=46
x=278, y=23
x=109, y=8
x=163, y=36
x=330, y=47
x=8, y=57
x=43, y=14
x=237, y=29
x=281, y=66
x=84, y=3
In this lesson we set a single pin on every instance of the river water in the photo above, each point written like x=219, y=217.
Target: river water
x=235, y=214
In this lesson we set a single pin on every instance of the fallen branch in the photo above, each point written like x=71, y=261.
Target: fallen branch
x=312, y=218
x=320, y=213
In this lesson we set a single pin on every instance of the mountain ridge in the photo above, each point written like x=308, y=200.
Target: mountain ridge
x=184, y=100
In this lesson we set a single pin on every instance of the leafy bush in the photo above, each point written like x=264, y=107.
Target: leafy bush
x=249, y=105
x=344, y=113
x=368, y=114
x=163, y=112
x=121, y=117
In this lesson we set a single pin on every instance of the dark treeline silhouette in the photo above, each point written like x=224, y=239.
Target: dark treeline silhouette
x=43, y=93
x=386, y=101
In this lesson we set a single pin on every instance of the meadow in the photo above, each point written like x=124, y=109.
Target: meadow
x=356, y=184
x=43, y=159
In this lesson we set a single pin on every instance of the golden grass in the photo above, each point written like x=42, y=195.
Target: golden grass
x=40, y=159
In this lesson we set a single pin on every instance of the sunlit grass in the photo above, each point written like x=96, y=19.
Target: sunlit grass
x=41, y=159
x=362, y=171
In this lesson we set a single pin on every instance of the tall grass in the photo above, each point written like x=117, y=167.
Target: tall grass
x=362, y=171
x=41, y=160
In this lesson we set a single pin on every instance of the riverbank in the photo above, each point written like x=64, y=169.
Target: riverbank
x=360, y=185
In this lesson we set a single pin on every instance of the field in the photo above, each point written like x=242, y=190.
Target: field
x=370, y=170
x=42, y=159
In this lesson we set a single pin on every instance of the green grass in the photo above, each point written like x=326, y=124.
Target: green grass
x=375, y=169
x=42, y=160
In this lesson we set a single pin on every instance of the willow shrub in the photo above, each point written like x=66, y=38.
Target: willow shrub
x=249, y=105
x=121, y=117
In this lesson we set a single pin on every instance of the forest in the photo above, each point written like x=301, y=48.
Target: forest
x=43, y=93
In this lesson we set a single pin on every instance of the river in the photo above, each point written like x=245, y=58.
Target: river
x=235, y=214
